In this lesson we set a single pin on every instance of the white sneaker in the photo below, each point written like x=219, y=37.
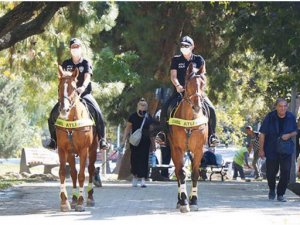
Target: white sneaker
x=143, y=183
x=134, y=182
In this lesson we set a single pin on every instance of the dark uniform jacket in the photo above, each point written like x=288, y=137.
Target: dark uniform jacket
x=84, y=67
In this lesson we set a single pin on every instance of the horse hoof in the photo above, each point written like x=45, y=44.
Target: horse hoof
x=73, y=204
x=193, y=203
x=194, y=208
x=90, y=203
x=65, y=207
x=79, y=208
x=184, y=208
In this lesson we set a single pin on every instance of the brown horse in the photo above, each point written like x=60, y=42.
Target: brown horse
x=188, y=132
x=75, y=136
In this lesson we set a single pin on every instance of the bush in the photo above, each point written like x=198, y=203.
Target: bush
x=13, y=119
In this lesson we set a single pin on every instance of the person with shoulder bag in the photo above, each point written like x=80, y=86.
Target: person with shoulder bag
x=138, y=131
x=276, y=144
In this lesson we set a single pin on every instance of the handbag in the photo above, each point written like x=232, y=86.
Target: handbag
x=136, y=136
x=285, y=146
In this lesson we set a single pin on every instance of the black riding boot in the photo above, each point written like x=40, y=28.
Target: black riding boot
x=52, y=142
x=98, y=117
x=212, y=123
x=51, y=124
x=167, y=108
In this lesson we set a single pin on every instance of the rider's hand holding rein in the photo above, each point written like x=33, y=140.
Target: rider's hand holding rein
x=179, y=88
x=80, y=90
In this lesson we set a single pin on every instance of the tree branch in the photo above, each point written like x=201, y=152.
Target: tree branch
x=33, y=27
x=21, y=13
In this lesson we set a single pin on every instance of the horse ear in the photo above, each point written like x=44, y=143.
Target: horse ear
x=189, y=71
x=75, y=73
x=60, y=72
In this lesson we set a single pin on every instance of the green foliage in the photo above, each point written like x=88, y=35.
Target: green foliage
x=250, y=78
x=15, y=131
x=35, y=59
x=276, y=27
x=116, y=67
x=251, y=52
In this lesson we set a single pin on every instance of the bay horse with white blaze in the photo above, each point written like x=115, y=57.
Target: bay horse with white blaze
x=75, y=136
x=188, y=131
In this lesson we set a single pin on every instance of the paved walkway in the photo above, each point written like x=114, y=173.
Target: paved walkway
x=119, y=203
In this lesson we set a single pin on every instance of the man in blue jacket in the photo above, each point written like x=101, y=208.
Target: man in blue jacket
x=277, y=124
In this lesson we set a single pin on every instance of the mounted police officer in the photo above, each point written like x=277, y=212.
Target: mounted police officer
x=84, y=88
x=178, y=69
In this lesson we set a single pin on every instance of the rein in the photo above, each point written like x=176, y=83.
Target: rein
x=188, y=98
x=72, y=103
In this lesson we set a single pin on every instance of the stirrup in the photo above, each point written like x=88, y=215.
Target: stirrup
x=51, y=144
x=213, y=140
x=103, y=144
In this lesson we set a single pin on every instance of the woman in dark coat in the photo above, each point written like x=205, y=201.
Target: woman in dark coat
x=139, y=154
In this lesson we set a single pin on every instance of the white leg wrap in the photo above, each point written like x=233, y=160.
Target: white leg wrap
x=74, y=192
x=81, y=191
x=63, y=189
x=183, y=188
x=194, y=191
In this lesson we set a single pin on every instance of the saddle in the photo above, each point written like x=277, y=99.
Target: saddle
x=91, y=110
x=175, y=103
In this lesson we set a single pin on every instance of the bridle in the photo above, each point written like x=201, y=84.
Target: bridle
x=188, y=98
x=72, y=102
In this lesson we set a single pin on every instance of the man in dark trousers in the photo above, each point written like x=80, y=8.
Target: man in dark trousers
x=278, y=124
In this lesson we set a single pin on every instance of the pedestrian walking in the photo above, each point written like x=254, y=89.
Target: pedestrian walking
x=276, y=144
x=139, y=154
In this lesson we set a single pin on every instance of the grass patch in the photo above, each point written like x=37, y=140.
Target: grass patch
x=4, y=184
x=7, y=183
x=10, y=180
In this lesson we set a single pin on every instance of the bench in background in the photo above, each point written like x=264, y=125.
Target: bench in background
x=38, y=156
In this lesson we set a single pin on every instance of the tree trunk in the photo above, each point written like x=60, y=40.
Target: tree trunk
x=169, y=46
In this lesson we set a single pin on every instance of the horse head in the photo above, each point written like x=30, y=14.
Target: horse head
x=194, y=88
x=66, y=91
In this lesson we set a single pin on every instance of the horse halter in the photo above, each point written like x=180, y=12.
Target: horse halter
x=188, y=98
x=67, y=97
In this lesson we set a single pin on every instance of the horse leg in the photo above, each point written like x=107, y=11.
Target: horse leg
x=180, y=174
x=194, y=192
x=91, y=169
x=81, y=177
x=64, y=203
x=72, y=164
